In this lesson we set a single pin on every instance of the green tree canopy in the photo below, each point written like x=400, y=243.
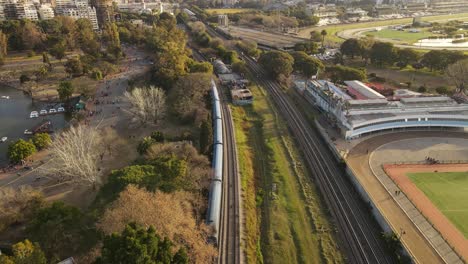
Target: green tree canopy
x=136, y=245
x=65, y=90
x=342, y=73
x=306, y=64
x=308, y=47
x=382, y=53
x=25, y=252
x=20, y=150
x=277, y=63
x=351, y=47
x=406, y=56
x=41, y=140
x=440, y=59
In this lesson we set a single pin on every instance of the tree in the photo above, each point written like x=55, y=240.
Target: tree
x=74, y=67
x=442, y=90
x=323, y=33
x=144, y=145
x=137, y=245
x=239, y=67
x=440, y=59
x=206, y=136
x=171, y=215
x=31, y=36
x=75, y=155
x=18, y=205
x=3, y=47
x=308, y=47
x=42, y=72
x=457, y=73
x=86, y=37
x=188, y=97
x=407, y=56
x=59, y=229
x=248, y=47
x=350, y=47
x=41, y=140
x=20, y=150
x=45, y=59
x=65, y=90
x=277, y=63
x=148, y=104
x=315, y=36
x=158, y=136
x=305, y=64
x=342, y=73
x=204, y=66
x=58, y=50
x=25, y=252
x=365, y=46
x=382, y=53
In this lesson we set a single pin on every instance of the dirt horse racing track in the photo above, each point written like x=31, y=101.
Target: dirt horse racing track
x=399, y=174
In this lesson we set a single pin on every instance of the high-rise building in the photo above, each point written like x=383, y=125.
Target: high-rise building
x=83, y=12
x=104, y=11
x=25, y=10
x=46, y=12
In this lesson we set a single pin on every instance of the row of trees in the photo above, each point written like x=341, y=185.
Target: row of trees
x=384, y=53
x=22, y=149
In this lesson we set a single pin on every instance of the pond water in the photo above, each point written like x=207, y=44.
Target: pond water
x=14, y=117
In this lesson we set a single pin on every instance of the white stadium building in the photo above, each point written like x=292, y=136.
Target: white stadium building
x=373, y=112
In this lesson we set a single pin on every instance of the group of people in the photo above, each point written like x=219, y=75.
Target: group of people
x=431, y=161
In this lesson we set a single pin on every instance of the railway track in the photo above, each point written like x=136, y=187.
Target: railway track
x=358, y=230
x=229, y=249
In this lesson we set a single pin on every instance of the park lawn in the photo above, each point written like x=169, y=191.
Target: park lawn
x=294, y=227
x=228, y=10
x=400, y=36
x=332, y=30
x=449, y=193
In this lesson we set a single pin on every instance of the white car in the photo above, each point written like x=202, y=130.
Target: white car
x=5, y=97
x=43, y=112
x=34, y=114
x=60, y=109
x=3, y=139
x=52, y=111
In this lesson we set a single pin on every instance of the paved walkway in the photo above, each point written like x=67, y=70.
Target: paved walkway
x=413, y=239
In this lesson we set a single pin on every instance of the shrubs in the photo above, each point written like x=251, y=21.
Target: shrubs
x=41, y=140
x=20, y=150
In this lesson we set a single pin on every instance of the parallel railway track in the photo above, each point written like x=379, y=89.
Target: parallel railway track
x=358, y=230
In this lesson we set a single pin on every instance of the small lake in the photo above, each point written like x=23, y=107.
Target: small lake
x=14, y=118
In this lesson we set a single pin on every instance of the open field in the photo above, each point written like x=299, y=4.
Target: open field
x=228, y=10
x=334, y=29
x=448, y=191
x=400, y=36
x=294, y=227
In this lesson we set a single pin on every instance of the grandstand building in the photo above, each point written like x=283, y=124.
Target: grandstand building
x=371, y=112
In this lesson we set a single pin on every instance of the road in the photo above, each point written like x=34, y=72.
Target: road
x=360, y=235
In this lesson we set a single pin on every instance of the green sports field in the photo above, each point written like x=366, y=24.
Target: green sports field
x=449, y=193
x=401, y=36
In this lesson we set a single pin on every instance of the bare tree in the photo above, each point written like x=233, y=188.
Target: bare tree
x=148, y=104
x=76, y=155
x=18, y=205
x=457, y=73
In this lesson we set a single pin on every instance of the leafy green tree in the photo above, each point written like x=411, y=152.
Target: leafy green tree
x=41, y=140
x=248, y=47
x=343, y=73
x=382, y=53
x=136, y=245
x=3, y=47
x=25, y=252
x=315, y=36
x=86, y=37
x=351, y=47
x=65, y=90
x=441, y=59
x=58, y=50
x=20, y=150
x=41, y=72
x=323, y=33
x=60, y=229
x=144, y=145
x=239, y=67
x=306, y=64
x=96, y=75
x=158, y=136
x=308, y=47
x=74, y=67
x=407, y=56
x=206, y=136
x=204, y=66
x=277, y=63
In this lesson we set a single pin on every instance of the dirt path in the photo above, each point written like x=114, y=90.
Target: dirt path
x=398, y=173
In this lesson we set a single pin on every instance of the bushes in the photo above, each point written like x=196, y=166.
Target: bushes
x=20, y=150
x=41, y=140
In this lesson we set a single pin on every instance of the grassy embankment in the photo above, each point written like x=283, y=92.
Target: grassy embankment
x=293, y=225
x=447, y=190
x=332, y=30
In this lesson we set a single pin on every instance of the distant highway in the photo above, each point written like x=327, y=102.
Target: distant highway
x=359, y=233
